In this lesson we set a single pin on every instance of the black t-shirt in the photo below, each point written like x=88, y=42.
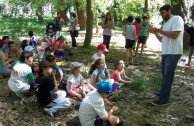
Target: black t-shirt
x=46, y=84
x=190, y=31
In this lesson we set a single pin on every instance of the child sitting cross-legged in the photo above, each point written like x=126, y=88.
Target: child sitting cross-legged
x=75, y=82
x=47, y=92
x=119, y=73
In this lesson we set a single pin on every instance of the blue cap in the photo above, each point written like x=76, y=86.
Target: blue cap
x=104, y=87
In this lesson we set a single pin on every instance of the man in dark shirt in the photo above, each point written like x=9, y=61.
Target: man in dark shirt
x=190, y=31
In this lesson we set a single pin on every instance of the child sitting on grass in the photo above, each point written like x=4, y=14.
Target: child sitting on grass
x=59, y=73
x=101, y=49
x=75, y=82
x=119, y=73
x=12, y=53
x=22, y=79
x=4, y=65
x=32, y=39
x=47, y=92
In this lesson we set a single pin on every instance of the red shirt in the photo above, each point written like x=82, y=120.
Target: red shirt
x=137, y=26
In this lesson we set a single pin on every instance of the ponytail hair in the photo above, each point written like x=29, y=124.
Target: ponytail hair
x=94, y=66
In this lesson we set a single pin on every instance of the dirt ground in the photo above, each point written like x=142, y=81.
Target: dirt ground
x=133, y=100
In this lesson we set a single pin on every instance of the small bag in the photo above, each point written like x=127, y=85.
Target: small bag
x=76, y=33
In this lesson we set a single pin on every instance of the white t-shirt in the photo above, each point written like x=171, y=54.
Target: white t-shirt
x=95, y=72
x=130, y=32
x=95, y=56
x=173, y=46
x=18, y=82
x=75, y=81
x=91, y=106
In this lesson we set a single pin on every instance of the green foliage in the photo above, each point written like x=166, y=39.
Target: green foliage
x=139, y=84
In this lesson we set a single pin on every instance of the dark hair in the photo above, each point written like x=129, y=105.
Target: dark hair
x=167, y=7
x=25, y=55
x=116, y=64
x=50, y=58
x=94, y=66
x=74, y=15
x=48, y=49
x=24, y=44
x=138, y=20
x=106, y=20
x=130, y=19
x=5, y=37
x=10, y=43
x=144, y=17
x=31, y=33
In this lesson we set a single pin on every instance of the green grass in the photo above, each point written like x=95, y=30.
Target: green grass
x=139, y=84
x=156, y=81
x=15, y=27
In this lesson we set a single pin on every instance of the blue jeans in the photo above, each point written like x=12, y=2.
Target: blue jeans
x=169, y=63
x=60, y=102
x=106, y=40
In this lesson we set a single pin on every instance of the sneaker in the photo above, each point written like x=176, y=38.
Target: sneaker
x=49, y=112
x=157, y=103
x=188, y=64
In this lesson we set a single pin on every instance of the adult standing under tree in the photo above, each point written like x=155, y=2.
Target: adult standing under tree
x=107, y=25
x=190, y=31
x=171, y=37
x=74, y=29
x=59, y=22
x=143, y=34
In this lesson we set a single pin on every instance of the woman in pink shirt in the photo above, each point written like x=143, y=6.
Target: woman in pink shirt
x=119, y=73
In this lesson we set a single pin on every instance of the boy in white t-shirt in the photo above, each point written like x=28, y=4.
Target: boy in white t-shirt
x=75, y=82
x=92, y=109
x=171, y=37
x=22, y=78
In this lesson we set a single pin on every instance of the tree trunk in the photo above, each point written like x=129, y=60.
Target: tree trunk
x=80, y=13
x=96, y=20
x=89, y=28
x=145, y=10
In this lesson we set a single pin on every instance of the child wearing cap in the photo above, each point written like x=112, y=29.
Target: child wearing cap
x=59, y=73
x=22, y=79
x=75, y=82
x=47, y=92
x=92, y=108
x=119, y=73
x=4, y=65
x=101, y=49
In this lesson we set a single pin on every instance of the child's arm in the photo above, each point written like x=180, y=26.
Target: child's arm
x=126, y=77
x=83, y=87
x=120, y=79
x=94, y=83
x=54, y=80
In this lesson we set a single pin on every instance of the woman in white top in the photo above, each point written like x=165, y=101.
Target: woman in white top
x=130, y=37
x=74, y=29
x=107, y=25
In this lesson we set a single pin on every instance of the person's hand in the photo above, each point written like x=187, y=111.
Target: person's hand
x=80, y=96
x=114, y=108
x=53, y=72
x=111, y=103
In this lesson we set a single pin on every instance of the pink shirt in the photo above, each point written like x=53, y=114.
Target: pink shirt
x=60, y=45
x=114, y=75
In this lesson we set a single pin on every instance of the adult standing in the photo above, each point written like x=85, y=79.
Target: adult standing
x=143, y=34
x=171, y=37
x=190, y=31
x=59, y=22
x=107, y=25
x=74, y=29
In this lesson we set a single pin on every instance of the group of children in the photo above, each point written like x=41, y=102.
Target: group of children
x=23, y=64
